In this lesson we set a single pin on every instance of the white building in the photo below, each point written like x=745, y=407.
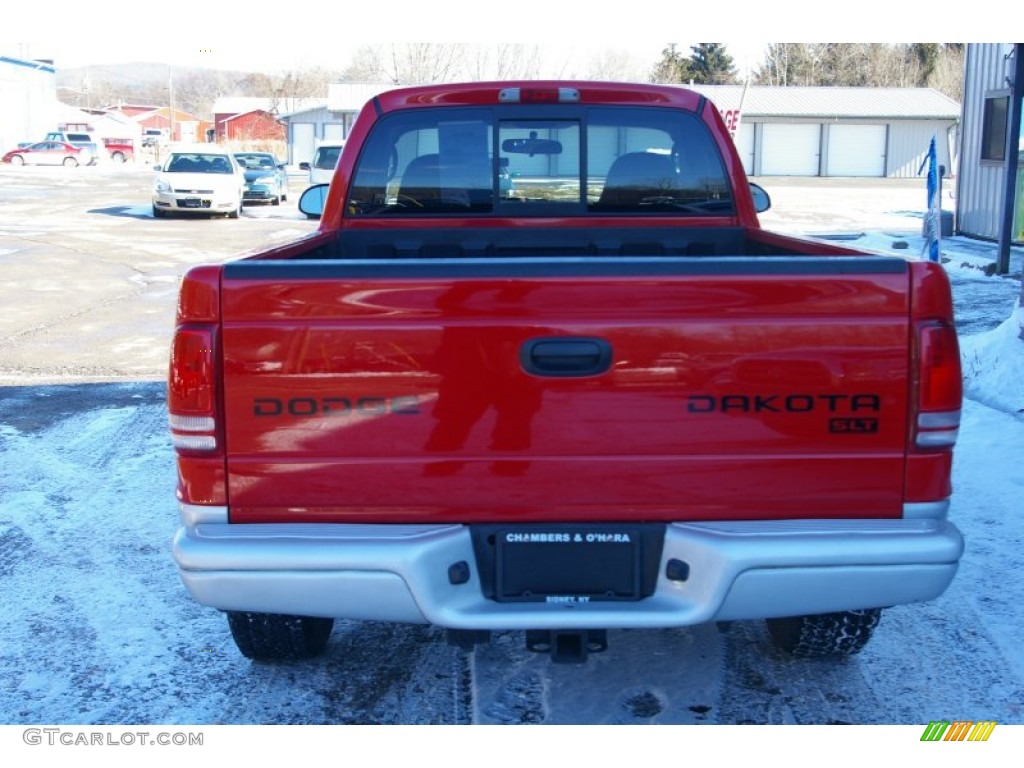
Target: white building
x=331, y=119
x=28, y=100
x=838, y=131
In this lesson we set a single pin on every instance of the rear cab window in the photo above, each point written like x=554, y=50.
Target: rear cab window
x=599, y=160
x=326, y=158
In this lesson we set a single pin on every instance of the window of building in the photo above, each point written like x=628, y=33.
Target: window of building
x=993, y=127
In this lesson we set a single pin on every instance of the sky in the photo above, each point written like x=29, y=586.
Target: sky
x=231, y=55
x=328, y=33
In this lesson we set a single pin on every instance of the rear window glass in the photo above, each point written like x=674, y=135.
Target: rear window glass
x=327, y=158
x=480, y=161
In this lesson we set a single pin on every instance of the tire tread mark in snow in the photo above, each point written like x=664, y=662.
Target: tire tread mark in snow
x=767, y=686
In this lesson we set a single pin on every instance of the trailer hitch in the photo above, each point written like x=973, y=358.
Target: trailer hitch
x=567, y=646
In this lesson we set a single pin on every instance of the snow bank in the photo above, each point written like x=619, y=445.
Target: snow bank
x=993, y=364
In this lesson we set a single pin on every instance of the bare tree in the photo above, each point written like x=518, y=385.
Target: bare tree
x=367, y=66
x=290, y=88
x=617, y=66
x=863, y=64
x=501, y=61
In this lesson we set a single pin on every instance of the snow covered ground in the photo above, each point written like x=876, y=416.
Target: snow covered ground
x=98, y=631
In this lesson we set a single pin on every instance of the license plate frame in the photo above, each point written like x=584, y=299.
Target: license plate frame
x=570, y=565
x=194, y=202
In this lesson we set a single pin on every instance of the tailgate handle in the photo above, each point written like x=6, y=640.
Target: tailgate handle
x=566, y=356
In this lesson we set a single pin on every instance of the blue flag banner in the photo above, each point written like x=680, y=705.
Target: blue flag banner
x=933, y=215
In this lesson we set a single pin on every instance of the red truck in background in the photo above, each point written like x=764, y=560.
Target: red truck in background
x=541, y=369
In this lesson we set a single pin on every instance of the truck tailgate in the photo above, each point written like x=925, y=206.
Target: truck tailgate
x=651, y=389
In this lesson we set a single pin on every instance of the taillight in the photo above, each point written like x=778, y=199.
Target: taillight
x=939, y=386
x=191, y=389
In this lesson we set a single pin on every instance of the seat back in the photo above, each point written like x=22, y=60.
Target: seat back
x=635, y=176
x=422, y=180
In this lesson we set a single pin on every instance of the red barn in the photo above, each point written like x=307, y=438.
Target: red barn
x=254, y=125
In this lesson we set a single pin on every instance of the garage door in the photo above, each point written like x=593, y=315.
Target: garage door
x=745, y=146
x=334, y=131
x=302, y=142
x=856, y=150
x=790, y=150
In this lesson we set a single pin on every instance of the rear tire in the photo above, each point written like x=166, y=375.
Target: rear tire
x=277, y=637
x=118, y=157
x=829, y=634
x=70, y=162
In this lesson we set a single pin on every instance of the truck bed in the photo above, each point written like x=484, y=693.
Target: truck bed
x=505, y=238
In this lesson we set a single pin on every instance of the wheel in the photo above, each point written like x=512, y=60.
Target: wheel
x=828, y=634
x=276, y=637
x=117, y=157
x=157, y=213
x=70, y=162
x=276, y=200
x=17, y=160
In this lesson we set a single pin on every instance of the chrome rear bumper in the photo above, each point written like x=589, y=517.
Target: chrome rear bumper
x=737, y=570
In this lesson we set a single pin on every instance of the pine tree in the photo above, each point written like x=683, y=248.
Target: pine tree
x=710, y=64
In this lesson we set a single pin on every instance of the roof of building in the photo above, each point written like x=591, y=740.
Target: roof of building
x=239, y=105
x=41, y=65
x=350, y=97
x=249, y=112
x=832, y=102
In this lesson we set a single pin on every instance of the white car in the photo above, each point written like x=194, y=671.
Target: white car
x=204, y=180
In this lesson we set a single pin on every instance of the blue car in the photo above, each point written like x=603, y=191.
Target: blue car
x=265, y=178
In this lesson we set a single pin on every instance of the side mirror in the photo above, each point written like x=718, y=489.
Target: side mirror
x=304, y=166
x=312, y=200
x=762, y=202
x=158, y=167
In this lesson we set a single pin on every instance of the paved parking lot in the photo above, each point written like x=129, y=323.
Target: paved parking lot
x=89, y=278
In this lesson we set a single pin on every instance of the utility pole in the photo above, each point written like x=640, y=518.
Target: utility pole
x=1011, y=160
x=170, y=100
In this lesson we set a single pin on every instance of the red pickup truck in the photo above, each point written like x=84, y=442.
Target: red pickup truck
x=540, y=369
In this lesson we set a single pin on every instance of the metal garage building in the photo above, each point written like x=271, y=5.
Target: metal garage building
x=28, y=100
x=812, y=131
x=985, y=126
x=331, y=119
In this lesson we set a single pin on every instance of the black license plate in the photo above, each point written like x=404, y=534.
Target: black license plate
x=568, y=564
x=194, y=202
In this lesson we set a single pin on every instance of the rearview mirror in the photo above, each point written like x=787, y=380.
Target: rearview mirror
x=531, y=146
